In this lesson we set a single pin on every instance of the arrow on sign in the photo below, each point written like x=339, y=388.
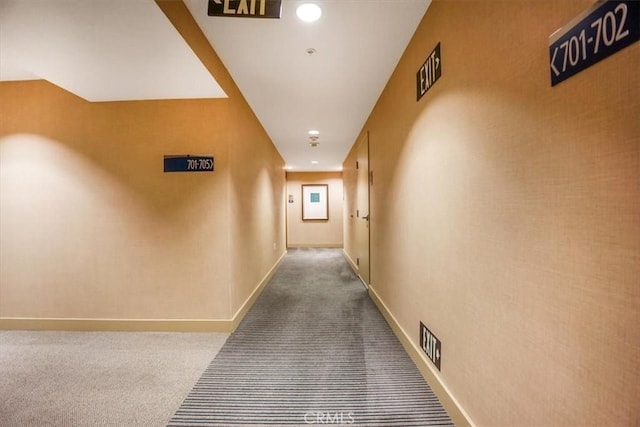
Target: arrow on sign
x=553, y=60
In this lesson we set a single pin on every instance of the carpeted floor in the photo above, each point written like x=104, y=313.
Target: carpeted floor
x=312, y=350
x=86, y=379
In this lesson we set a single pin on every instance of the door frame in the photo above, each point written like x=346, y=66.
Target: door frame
x=363, y=249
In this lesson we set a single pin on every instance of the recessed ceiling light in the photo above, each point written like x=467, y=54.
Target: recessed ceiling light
x=314, y=162
x=309, y=12
x=314, y=132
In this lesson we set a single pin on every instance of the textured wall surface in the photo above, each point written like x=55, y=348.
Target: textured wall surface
x=506, y=216
x=90, y=225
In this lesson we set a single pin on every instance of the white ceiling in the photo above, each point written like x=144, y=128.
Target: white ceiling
x=105, y=50
x=101, y=50
x=358, y=44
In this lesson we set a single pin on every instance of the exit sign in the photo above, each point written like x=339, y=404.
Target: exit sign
x=245, y=8
x=429, y=72
x=430, y=345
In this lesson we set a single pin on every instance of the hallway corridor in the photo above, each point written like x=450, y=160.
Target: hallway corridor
x=312, y=350
x=477, y=162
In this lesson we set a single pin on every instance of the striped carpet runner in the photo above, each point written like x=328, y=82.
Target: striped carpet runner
x=313, y=350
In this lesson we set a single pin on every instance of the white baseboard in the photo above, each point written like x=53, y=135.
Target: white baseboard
x=351, y=262
x=244, y=308
x=355, y=269
x=450, y=403
x=314, y=245
x=129, y=325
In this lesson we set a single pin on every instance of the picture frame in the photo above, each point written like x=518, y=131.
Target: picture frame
x=315, y=202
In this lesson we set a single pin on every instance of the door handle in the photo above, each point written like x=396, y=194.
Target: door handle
x=366, y=218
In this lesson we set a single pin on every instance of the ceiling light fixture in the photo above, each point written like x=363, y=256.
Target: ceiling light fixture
x=314, y=132
x=314, y=162
x=309, y=12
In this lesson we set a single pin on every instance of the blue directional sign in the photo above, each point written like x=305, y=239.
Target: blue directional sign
x=599, y=32
x=188, y=163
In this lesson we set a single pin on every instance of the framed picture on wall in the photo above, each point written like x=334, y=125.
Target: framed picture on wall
x=315, y=202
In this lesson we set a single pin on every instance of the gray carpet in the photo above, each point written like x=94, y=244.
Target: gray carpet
x=312, y=350
x=87, y=379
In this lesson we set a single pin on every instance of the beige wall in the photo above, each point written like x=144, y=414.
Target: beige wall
x=257, y=214
x=256, y=181
x=314, y=233
x=506, y=216
x=91, y=227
